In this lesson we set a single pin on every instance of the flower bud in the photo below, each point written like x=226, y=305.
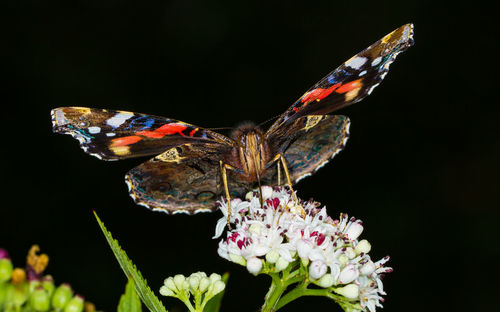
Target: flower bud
x=272, y=256
x=16, y=295
x=354, y=230
x=204, y=284
x=317, y=269
x=254, y=265
x=350, y=253
x=179, y=280
x=348, y=274
x=326, y=281
x=218, y=287
x=214, y=277
x=363, y=247
x=350, y=291
x=6, y=269
x=4, y=254
x=48, y=284
x=167, y=292
x=194, y=283
x=40, y=299
x=367, y=268
x=75, y=304
x=62, y=295
x=237, y=259
x=169, y=283
x=281, y=264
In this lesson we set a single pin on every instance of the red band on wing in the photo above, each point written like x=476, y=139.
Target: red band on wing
x=125, y=140
x=164, y=130
x=349, y=86
x=318, y=94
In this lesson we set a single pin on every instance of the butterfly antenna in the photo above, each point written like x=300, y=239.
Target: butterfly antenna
x=268, y=120
x=221, y=128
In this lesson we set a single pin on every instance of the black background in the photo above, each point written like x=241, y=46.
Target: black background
x=421, y=168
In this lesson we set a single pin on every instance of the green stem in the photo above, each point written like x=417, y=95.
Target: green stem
x=273, y=295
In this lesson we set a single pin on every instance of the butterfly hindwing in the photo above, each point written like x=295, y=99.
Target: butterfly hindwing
x=313, y=141
x=183, y=179
x=112, y=135
x=352, y=81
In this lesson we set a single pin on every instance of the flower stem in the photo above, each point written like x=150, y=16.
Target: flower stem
x=273, y=295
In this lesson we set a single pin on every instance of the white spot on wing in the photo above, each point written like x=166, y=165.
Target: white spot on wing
x=356, y=62
x=362, y=73
x=376, y=61
x=118, y=119
x=110, y=134
x=94, y=130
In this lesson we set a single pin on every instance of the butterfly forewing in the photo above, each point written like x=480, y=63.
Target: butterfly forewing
x=351, y=82
x=112, y=135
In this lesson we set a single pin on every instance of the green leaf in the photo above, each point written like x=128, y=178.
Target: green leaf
x=129, y=301
x=145, y=293
x=214, y=304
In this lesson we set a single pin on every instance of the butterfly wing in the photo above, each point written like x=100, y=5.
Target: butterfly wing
x=111, y=135
x=316, y=139
x=183, y=179
x=349, y=83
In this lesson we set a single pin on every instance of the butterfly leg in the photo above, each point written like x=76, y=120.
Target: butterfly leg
x=223, y=169
x=279, y=173
x=279, y=158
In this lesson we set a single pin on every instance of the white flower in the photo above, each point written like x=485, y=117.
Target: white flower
x=273, y=236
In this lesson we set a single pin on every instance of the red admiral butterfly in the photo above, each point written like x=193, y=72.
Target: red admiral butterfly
x=194, y=166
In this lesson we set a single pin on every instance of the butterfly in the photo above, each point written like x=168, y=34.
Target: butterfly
x=193, y=166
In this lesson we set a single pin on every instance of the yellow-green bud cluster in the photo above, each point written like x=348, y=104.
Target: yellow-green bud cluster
x=35, y=295
x=199, y=285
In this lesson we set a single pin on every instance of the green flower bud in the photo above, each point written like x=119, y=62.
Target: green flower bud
x=350, y=291
x=62, y=296
x=363, y=247
x=204, y=284
x=16, y=295
x=218, y=287
x=167, y=292
x=48, y=284
x=6, y=269
x=214, y=277
x=272, y=256
x=75, y=304
x=169, y=283
x=40, y=299
x=3, y=293
x=281, y=264
x=179, y=281
x=33, y=284
x=326, y=281
x=194, y=282
x=237, y=259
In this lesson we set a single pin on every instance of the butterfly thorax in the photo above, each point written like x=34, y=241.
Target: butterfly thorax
x=251, y=152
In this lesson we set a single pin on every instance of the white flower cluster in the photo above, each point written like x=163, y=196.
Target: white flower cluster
x=202, y=287
x=277, y=235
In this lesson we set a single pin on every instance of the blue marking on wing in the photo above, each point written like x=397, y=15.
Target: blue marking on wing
x=334, y=77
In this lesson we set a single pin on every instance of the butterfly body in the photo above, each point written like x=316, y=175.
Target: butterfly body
x=192, y=166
